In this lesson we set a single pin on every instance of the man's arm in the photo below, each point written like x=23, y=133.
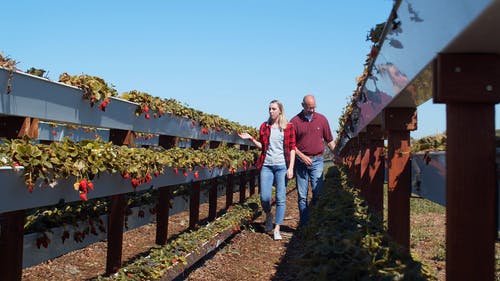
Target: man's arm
x=331, y=145
x=303, y=157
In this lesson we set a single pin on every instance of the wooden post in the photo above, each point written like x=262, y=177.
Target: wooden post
x=11, y=244
x=116, y=217
x=469, y=84
x=165, y=195
x=376, y=168
x=364, y=155
x=12, y=223
x=229, y=190
x=243, y=187
x=399, y=122
x=162, y=214
x=212, y=199
x=194, y=205
x=357, y=163
x=253, y=174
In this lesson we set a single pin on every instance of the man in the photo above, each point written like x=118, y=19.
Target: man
x=311, y=131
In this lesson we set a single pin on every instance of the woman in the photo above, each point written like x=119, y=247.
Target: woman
x=277, y=144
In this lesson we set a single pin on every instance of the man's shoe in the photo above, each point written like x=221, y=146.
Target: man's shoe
x=269, y=222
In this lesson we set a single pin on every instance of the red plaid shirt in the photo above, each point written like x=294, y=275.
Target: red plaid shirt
x=288, y=142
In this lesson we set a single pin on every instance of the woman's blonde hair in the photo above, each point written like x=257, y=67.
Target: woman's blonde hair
x=282, y=121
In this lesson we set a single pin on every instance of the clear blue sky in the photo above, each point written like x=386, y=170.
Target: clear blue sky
x=224, y=57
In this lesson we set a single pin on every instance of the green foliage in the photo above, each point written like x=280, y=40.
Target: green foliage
x=344, y=241
x=36, y=71
x=94, y=88
x=430, y=143
x=90, y=158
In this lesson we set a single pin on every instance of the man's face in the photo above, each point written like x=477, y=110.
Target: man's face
x=309, y=106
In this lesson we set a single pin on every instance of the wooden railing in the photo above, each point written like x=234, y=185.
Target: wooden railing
x=34, y=101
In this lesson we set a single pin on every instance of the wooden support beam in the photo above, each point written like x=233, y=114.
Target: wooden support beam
x=11, y=245
x=116, y=220
x=243, y=187
x=162, y=213
x=364, y=155
x=376, y=168
x=194, y=205
x=212, y=199
x=469, y=84
x=116, y=216
x=253, y=174
x=229, y=190
x=399, y=122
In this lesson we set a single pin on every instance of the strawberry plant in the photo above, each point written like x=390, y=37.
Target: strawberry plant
x=156, y=107
x=95, y=89
x=344, y=241
x=36, y=71
x=87, y=159
x=10, y=65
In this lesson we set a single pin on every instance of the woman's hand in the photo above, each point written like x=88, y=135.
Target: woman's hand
x=245, y=136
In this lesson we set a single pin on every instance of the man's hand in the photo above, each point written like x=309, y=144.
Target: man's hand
x=305, y=159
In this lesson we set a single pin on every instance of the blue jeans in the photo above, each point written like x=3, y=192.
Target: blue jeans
x=303, y=174
x=269, y=175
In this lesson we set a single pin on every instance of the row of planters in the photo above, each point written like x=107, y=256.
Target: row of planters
x=88, y=175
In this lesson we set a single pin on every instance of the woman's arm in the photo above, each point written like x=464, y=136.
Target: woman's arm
x=247, y=136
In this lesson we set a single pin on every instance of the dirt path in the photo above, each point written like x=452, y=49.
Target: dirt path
x=253, y=254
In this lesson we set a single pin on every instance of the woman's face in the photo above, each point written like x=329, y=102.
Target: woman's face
x=274, y=111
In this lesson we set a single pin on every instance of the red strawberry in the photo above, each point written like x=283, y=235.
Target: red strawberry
x=148, y=177
x=90, y=185
x=196, y=175
x=157, y=173
x=102, y=106
x=83, y=196
x=126, y=176
x=83, y=185
x=185, y=173
x=147, y=116
x=145, y=108
x=176, y=171
x=30, y=188
x=54, y=132
x=134, y=182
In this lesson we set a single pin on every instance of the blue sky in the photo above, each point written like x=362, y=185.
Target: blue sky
x=224, y=57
